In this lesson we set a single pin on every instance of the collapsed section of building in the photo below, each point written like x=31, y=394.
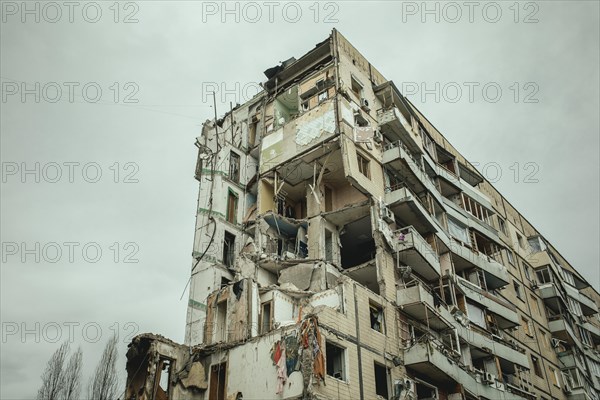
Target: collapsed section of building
x=344, y=249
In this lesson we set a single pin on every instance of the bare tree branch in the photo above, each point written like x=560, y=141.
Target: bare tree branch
x=53, y=378
x=72, y=376
x=104, y=384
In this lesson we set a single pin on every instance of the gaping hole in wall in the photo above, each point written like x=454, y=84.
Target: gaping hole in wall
x=228, y=249
x=381, y=380
x=287, y=106
x=218, y=377
x=358, y=245
x=163, y=379
x=336, y=360
x=286, y=238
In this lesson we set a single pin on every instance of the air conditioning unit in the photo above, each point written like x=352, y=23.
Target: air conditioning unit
x=364, y=104
x=388, y=215
x=489, y=378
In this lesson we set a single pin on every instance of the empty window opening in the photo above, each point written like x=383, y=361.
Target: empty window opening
x=357, y=243
x=502, y=225
x=221, y=322
x=266, y=317
x=356, y=87
x=518, y=290
x=426, y=391
x=228, y=249
x=224, y=281
x=336, y=361
x=376, y=316
x=510, y=256
x=163, y=379
x=218, y=375
x=520, y=241
x=535, y=362
x=381, y=380
x=363, y=165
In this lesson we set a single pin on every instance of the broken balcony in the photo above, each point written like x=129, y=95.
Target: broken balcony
x=398, y=157
x=561, y=326
x=485, y=345
x=466, y=218
x=394, y=127
x=568, y=359
x=402, y=201
x=594, y=331
x=506, y=313
x=496, y=275
x=433, y=361
x=420, y=304
x=413, y=250
x=290, y=243
x=588, y=306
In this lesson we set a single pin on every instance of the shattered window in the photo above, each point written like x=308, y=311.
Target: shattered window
x=376, y=313
x=363, y=165
x=228, y=249
x=234, y=167
x=336, y=361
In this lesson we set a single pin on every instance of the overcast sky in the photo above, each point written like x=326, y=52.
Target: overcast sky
x=517, y=91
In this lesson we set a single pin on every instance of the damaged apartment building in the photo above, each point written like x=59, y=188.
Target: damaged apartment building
x=345, y=250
